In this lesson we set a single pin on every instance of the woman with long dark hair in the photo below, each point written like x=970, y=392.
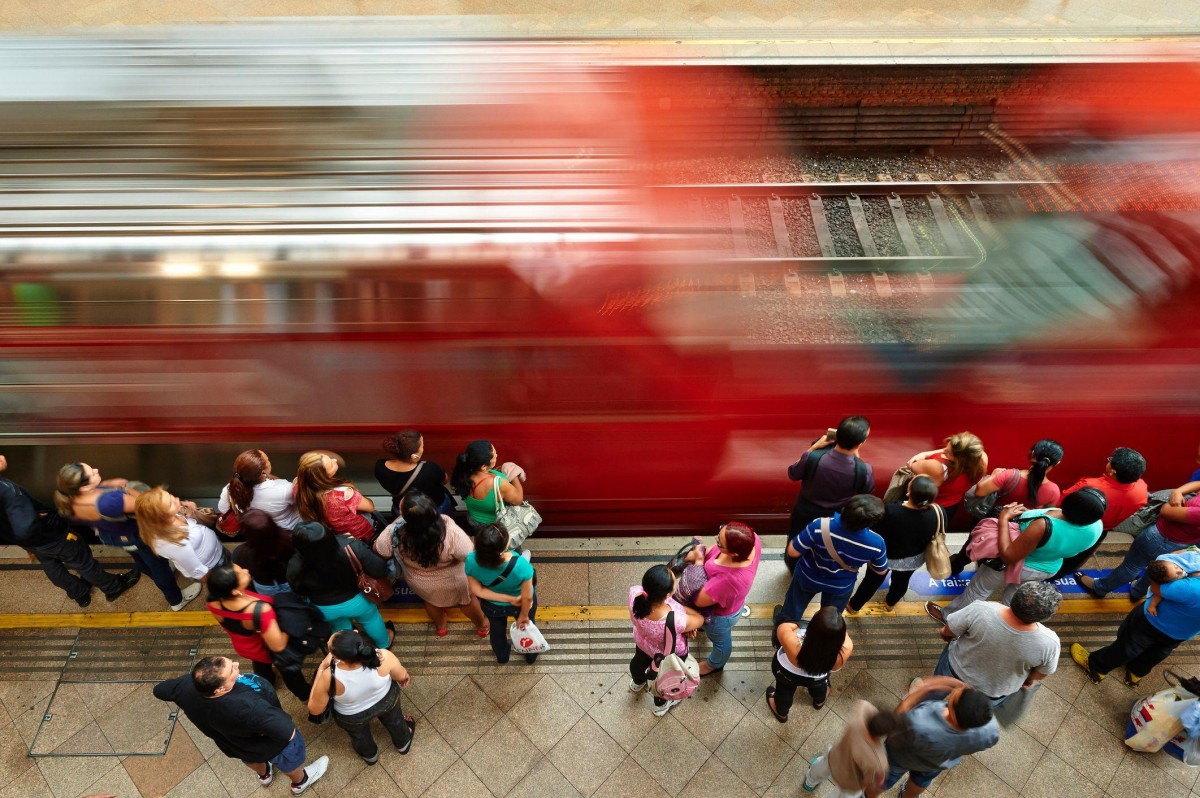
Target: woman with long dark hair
x=432, y=550
x=406, y=470
x=805, y=658
x=366, y=686
x=477, y=480
x=266, y=552
x=502, y=580
x=108, y=506
x=321, y=571
x=330, y=500
x=906, y=529
x=249, y=619
x=253, y=486
x=650, y=604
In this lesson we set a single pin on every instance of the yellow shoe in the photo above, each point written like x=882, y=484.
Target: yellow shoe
x=1131, y=680
x=849, y=612
x=1080, y=655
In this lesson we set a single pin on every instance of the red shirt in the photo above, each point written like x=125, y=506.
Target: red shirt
x=247, y=643
x=1123, y=499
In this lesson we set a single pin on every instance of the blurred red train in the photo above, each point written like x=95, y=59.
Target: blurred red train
x=495, y=266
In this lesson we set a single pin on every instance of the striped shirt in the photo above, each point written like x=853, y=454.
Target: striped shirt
x=855, y=548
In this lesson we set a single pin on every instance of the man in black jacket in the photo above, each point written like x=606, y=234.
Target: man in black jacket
x=242, y=715
x=26, y=522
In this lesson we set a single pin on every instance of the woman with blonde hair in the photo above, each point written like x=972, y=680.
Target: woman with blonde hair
x=254, y=487
x=107, y=505
x=193, y=547
x=954, y=468
x=331, y=501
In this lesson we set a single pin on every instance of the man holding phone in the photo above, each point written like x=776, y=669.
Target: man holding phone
x=830, y=473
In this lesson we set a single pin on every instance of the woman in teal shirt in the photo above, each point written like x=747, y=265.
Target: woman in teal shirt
x=1047, y=537
x=478, y=481
x=503, y=582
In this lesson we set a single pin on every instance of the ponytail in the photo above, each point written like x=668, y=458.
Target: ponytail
x=1044, y=455
x=477, y=455
x=349, y=646
x=70, y=480
x=657, y=584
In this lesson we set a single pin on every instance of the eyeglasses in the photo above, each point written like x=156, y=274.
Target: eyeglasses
x=720, y=545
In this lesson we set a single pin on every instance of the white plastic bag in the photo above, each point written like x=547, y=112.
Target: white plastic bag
x=529, y=640
x=1156, y=718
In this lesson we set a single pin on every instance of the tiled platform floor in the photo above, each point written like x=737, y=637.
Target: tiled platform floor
x=564, y=727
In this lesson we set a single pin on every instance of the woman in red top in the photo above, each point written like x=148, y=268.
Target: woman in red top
x=233, y=604
x=954, y=468
x=331, y=501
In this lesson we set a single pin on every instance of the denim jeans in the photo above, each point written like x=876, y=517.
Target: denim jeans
x=273, y=589
x=390, y=714
x=719, y=629
x=146, y=561
x=801, y=593
x=1145, y=549
x=357, y=609
x=922, y=778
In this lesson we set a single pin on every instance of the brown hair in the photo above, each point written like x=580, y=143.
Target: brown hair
x=249, y=469
x=155, y=521
x=967, y=450
x=403, y=444
x=70, y=480
x=312, y=481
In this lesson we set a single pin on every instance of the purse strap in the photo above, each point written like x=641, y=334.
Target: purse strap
x=827, y=538
x=353, y=558
x=940, y=515
x=508, y=569
x=411, y=479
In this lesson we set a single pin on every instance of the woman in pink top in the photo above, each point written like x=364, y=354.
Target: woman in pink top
x=730, y=567
x=649, y=606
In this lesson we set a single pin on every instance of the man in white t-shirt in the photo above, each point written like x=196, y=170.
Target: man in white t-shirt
x=997, y=649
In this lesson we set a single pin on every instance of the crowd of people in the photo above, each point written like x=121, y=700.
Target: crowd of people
x=315, y=557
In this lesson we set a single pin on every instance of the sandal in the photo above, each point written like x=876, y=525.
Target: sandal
x=1090, y=589
x=936, y=612
x=441, y=632
x=484, y=632
x=770, y=695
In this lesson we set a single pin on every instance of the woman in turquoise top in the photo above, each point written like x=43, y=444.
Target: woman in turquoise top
x=477, y=480
x=502, y=580
x=1047, y=537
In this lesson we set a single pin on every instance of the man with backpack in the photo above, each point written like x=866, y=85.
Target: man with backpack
x=830, y=473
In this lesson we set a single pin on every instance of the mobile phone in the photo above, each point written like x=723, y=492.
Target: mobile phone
x=831, y=434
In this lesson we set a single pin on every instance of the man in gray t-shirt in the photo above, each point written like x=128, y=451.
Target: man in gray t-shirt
x=944, y=721
x=998, y=649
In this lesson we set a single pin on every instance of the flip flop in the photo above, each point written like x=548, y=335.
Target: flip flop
x=936, y=612
x=770, y=696
x=1090, y=590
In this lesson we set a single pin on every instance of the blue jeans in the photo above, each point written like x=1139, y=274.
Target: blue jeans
x=922, y=778
x=291, y=757
x=272, y=589
x=147, y=562
x=1144, y=550
x=801, y=593
x=719, y=629
x=357, y=609
x=498, y=615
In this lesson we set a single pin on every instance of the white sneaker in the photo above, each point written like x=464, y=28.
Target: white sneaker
x=665, y=708
x=312, y=774
x=634, y=687
x=914, y=684
x=190, y=592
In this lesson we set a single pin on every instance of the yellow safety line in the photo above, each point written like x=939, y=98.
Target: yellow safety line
x=1108, y=39
x=566, y=612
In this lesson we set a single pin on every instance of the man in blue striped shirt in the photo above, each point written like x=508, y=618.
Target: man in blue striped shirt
x=832, y=573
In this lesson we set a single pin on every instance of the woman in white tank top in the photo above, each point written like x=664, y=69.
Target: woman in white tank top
x=366, y=684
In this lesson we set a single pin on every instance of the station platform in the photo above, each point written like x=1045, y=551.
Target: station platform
x=74, y=687
x=752, y=31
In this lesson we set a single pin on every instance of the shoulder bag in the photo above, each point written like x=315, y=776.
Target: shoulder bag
x=985, y=506
x=521, y=520
x=897, y=489
x=937, y=554
x=378, y=590
x=827, y=539
x=1147, y=516
x=328, y=711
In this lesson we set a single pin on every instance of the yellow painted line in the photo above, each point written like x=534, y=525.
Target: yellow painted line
x=1106, y=39
x=566, y=612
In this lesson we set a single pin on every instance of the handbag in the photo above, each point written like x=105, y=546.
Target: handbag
x=229, y=522
x=897, y=489
x=675, y=677
x=521, y=520
x=1147, y=516
x=985, y=506
x=937, y=554
x=327, y=713
x=378, y=590
x=529, y=640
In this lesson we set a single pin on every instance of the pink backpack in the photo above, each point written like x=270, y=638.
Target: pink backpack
x=677, y=677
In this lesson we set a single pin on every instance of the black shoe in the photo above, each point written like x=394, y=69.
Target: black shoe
x=85, y=599
x=531, y=658
x=373, y=760
x=126, y=581
x=412, y=732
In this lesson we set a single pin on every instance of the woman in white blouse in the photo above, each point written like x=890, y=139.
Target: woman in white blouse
x=254, y=487
x=193, y=547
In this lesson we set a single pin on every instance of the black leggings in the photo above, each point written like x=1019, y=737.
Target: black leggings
x=871, y=582
x=295, y=681
x=638, y=666
x=786, y=684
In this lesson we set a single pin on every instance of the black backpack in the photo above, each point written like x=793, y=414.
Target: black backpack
x=305, y=626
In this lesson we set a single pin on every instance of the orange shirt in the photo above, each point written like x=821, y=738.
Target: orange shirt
x=1123, y=499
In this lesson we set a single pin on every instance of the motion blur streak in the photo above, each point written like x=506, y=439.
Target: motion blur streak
x=295, y=237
